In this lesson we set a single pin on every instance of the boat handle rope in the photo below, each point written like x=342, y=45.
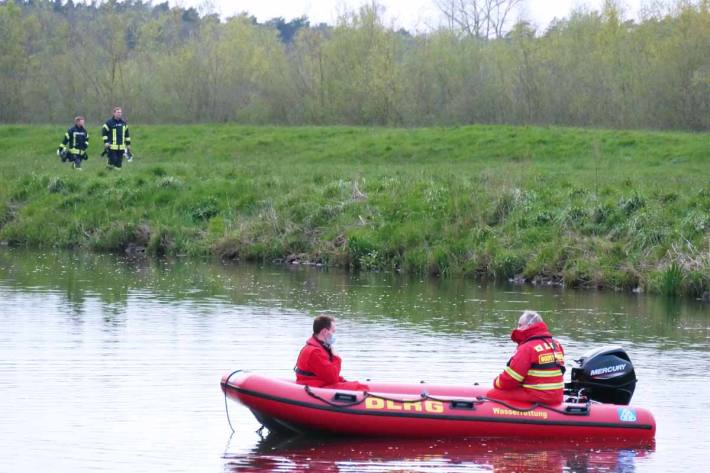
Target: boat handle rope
x=366, y=394
x=425, y=396
x=226, y=407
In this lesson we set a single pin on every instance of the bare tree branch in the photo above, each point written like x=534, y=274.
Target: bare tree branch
x=483, y=19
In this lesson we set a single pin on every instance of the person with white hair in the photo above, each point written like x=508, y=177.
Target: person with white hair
x=535, y=371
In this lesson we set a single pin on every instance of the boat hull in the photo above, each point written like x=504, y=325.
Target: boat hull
x=424, y=410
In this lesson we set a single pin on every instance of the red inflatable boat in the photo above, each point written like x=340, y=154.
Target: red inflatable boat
x=428, y=410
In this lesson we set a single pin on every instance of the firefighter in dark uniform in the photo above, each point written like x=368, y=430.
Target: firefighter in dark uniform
x=76, y=141
x=117, y=140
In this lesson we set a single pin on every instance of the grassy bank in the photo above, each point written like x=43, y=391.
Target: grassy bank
x=588, y=208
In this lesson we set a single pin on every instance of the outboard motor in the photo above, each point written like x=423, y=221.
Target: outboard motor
x=605, y=375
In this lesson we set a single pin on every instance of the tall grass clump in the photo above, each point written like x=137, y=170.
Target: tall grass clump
x=672, y=280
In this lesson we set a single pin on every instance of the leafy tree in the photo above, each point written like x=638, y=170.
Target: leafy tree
x=163, y=63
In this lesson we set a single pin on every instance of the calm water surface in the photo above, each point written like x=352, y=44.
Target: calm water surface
x=108, y=365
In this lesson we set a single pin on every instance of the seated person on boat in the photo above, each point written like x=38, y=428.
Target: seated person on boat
x=535, y=371
x=318, y=365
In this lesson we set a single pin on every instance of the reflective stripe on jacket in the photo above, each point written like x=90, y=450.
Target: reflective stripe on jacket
x=536, y=365
x=115, y=133
x=317, y=366
x=76, y=140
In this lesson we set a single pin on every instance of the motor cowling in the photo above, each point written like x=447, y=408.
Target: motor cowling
x=605, y=375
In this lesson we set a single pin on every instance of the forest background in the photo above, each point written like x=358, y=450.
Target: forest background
x=174, y=65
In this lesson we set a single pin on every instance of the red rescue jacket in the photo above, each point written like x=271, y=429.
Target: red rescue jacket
x=317, y=366
x=536, y=365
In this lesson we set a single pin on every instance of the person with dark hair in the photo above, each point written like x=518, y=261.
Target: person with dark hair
x=74, y=145
x=318, y=364
x=117, y=139
x=535, y=371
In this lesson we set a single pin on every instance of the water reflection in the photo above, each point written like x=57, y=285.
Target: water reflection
x=278, y=454
x=445, y=306
x=128, y=356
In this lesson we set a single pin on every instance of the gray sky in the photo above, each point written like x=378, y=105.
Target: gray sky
x=411, y=14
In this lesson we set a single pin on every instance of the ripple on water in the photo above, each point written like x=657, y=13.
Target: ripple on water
x=117, y=369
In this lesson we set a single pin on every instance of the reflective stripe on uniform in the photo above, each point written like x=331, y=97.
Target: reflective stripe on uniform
x=545, y=373
x=544, y=387
x=519, y=378
x=76, y=151
x=117, y=141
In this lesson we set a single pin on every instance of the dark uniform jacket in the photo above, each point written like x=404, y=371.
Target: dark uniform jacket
x=76, y=140
x=115, y=133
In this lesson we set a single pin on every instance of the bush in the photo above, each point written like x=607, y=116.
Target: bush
x=508, y=265
x=169, y=182
x=6, y=214
x=697, y=283
x=646, y=230
x=544, y=218
x=205, y=210
x=672, y=280
x=577, y=274
x=336, y=190
x=227, y=248
x=695, y=224
x=360, y=249
x=115, y=238
x=602, y=213
x=574, y=217
x=158, y=171
x=501, y=208
x=371, y=261
x=415, y=261
x=631, y=204
x=161, y=243
x=56, y=185
x=439, y=262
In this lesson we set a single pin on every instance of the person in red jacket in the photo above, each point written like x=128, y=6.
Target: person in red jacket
x=535, y=372
x=318, y=365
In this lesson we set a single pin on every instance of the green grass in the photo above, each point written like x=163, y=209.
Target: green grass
x=589, y=208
